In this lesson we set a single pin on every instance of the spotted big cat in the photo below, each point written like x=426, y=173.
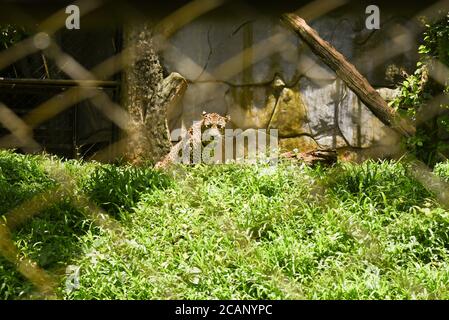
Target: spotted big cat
x=197, y=140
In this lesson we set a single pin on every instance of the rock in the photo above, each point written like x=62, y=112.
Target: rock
x=229, y=72
x=388, y=94
x=302, y=144
x=320, y=101
x=250, y=107
x=330, y=140
x=290, y=115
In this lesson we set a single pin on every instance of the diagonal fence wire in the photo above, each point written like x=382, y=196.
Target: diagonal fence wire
x=21, y=129
x=232, y=66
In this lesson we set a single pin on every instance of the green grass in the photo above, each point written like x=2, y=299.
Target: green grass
x=365, y=231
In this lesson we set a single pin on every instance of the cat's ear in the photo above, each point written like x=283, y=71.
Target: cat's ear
x=228, y=117
x=204, y=113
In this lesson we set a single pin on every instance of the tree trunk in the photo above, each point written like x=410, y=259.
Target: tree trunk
x=349, y=74
x=146, y=95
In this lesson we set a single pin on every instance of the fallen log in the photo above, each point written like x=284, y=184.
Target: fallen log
x=314, y=157
x=361, y=87
x=349, y=74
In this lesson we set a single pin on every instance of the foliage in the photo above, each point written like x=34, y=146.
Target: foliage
x=242, y=232
x=436, y=40
x=378, y=182
x=442, y=170
x=10, y=34
x=417, y=90
x=118, y=188
x=21, y=177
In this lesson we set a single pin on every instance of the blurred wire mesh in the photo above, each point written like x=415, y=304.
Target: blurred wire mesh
x=60, y=90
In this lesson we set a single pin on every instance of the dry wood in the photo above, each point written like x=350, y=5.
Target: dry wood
x=324, y=157
x=147, y=96
x=349, y=74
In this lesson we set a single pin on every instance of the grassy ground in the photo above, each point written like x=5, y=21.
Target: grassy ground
x=232, y=232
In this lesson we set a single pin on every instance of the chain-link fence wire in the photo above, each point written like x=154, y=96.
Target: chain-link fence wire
x=44, y=50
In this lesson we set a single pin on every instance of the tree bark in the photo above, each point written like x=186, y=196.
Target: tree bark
x=349, y=74
x=146, y=95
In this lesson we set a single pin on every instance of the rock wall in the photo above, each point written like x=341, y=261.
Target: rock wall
x=255, y=70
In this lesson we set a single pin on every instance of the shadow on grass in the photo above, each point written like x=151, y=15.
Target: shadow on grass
x=51, y=239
